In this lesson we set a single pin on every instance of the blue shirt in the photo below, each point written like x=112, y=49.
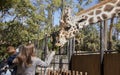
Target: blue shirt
x=9, y=62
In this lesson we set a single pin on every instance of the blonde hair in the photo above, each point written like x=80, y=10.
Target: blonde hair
x=24, y=57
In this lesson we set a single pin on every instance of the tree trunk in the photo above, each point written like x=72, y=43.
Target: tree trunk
x=50, y=17
x=110, y=34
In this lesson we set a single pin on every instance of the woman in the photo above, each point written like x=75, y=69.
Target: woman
x=27, y=61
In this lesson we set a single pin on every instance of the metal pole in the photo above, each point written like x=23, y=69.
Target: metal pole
x=73, y=49
x=105, y=34
x=101, y=48
x=70, y=52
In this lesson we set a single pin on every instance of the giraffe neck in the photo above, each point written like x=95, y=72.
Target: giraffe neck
x=106, y=11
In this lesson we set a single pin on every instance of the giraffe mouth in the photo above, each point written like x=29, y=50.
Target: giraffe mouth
x=59, y=45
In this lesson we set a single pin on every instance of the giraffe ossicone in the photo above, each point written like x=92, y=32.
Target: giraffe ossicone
x=72, y=24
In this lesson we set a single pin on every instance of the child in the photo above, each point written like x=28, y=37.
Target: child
x=27, y=61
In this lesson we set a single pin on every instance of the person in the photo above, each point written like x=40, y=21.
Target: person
x=12, y=55
x=26, y=60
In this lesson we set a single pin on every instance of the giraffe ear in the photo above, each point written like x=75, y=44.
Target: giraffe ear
x=61, y=23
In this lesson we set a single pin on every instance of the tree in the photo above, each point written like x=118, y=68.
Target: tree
x=110, y=34
x=88, y=39
x=16, y=30
x=118, y=29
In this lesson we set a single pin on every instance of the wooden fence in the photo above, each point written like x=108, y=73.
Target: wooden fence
x=91, y=64
x=65, y=72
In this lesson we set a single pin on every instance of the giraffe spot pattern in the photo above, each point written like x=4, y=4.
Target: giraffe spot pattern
x=91, y=13
x=108, y=8
x=118, y=4
x=104, y=16
x=73, y=26
x=99, y=19
x=74, y=32
x=91, y=20
x=113, y=14
x=117, y=10
x=98, y=12
x=86, y=17
x=63, y=32
x=77, y=26
x=113, y=1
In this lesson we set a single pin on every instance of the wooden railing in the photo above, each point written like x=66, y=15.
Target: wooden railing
x=65, y=72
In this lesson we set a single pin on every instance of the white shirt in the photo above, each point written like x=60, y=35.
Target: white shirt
x=35, y=62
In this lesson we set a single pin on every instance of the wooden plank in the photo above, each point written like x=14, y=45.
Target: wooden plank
x=86, y=63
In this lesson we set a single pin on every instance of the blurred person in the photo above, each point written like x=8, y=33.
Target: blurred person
x=12, y=55
x=27, y=61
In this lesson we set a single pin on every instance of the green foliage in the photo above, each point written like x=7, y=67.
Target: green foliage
x=7, y=4
x=57, y=3
x=118, y=46
x=3, y=54
x=86, y=3
x=24, y=8
x=88, y=39
x=118, y=27
x=11, y=33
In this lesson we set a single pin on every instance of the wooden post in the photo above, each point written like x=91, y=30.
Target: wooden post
x=54, y=73
x=86, y=73
x=69, y=53
x=60, y=59
x=69, y=73
x=73, y=46
x=77, y=73
x=48, y=72
x=81, y=73
x=73, y=72
x=105, y=34
x=65, y=72
x=101, y=48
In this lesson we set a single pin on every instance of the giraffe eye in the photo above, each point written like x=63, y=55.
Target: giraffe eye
x=68, y=19
x=67, y=28
x=81, y=20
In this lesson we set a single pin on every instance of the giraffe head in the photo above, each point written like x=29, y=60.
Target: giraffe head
x=69, y=26
x=64, y=34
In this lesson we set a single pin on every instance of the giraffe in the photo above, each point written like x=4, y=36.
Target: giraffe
x=105, y=10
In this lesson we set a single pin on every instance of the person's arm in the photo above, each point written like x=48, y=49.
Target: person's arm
x=47, y=62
